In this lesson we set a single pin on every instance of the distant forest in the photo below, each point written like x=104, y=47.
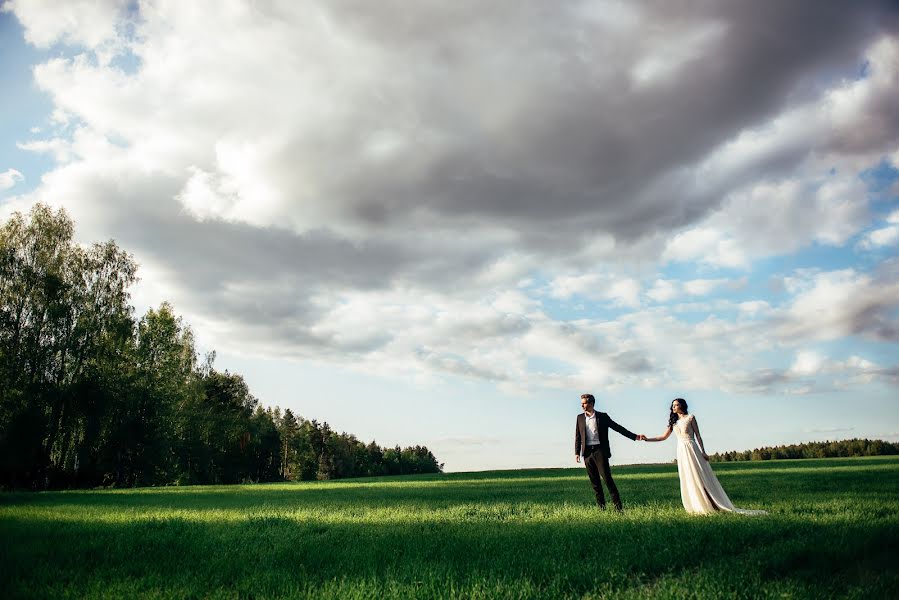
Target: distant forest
x=92, y=396
x=854, y=447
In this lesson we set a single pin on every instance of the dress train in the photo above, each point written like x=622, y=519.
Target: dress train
x=700, y=490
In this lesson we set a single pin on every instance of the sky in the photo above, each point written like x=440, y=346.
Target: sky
x=440, y=223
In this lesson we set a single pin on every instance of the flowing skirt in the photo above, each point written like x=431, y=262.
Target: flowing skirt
x=700, y=490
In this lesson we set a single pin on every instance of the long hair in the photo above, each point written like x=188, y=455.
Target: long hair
x=673, y=416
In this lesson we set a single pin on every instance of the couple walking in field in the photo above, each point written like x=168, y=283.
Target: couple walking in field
x=699, y=487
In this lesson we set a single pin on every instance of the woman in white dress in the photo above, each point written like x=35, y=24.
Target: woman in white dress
x=700, y=491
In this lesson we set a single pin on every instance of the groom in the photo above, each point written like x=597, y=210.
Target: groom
x=591, y=439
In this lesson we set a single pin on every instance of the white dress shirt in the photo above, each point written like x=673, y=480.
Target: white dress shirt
x=592, y=432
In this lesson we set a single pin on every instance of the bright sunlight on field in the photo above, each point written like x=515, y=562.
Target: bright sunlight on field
x=832, y=531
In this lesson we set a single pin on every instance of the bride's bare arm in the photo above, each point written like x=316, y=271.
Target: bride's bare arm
x=662, y=437
x=699, y=438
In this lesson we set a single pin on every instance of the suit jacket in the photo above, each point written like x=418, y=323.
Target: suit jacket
x=603, y=423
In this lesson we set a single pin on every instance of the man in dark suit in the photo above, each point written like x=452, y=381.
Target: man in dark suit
x=591, y=439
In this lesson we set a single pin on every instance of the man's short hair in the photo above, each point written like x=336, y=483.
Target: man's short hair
x=589, y=398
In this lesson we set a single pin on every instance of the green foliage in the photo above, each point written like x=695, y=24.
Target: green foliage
x=844, y=448
x=832, y=532
x=90, y=396
x=63, y=317
x=312, y=450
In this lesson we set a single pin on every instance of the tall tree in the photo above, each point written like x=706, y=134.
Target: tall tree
x=229, y=408
x=264, y=446
x=89, y=396
x=62, y=309
x=289, y=428
x=165, y=372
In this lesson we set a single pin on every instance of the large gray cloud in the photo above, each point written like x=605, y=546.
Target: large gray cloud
x=541, y=124
x=525, y=116
x=286, y=169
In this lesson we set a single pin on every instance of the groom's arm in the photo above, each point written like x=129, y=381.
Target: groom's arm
x=577, y=438
x=626, y=433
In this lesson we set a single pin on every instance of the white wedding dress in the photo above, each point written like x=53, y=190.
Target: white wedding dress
x=699, y=488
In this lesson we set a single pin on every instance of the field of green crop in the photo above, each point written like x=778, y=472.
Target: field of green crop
x=832, y=531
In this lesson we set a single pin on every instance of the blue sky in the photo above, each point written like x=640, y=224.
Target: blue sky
x=22, y=106
x=440, y=227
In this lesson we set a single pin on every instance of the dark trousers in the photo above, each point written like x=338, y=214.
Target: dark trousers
x=598, y=469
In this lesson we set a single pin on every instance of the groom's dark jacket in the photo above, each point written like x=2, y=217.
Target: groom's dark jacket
x=603, y=423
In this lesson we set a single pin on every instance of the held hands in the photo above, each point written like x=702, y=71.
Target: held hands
x=640, y=437
x=577, y=458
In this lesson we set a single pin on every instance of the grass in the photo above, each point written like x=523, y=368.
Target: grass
x=832, y=531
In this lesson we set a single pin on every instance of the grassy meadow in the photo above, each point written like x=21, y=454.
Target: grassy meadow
x=832, y=531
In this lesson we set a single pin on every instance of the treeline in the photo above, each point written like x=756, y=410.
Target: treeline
x=91, y=395
x=855, y=447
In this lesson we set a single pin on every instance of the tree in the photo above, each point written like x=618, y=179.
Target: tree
x=165, y=371
x=63, y=310
x=289, y=428
x=854, y=447
x=91, y=396
x=264, y=446
x=228, y=406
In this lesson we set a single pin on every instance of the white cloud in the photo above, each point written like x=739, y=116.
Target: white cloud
x=58, y=147
x=566, y=286
x=664, y=290
x=9, y=178
x=885, y=236
x=769, y=210
x=623, y=291
x=626, y=292
x=754, y=307
x=806, y=363
x=706, y=245
x=202, y=197
x=768, y=219
x=87, y=22
x=297, y=194
x=703, y=287
x=843, y=303
x=670, y=51
x=830, y=430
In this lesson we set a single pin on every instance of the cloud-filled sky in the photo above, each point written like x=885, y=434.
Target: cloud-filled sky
x=440, y=223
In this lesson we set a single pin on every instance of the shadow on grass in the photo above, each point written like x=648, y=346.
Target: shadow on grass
x=269, y=555
x=833, y=532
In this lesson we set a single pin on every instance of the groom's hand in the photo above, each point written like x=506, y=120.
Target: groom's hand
x=641, y=437
x=577, y=458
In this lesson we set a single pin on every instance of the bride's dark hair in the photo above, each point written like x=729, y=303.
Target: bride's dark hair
x=673, y=416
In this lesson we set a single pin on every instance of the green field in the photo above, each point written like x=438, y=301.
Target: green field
x=832, y=531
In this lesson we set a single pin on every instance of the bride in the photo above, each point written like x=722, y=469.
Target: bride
x=700, y=491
